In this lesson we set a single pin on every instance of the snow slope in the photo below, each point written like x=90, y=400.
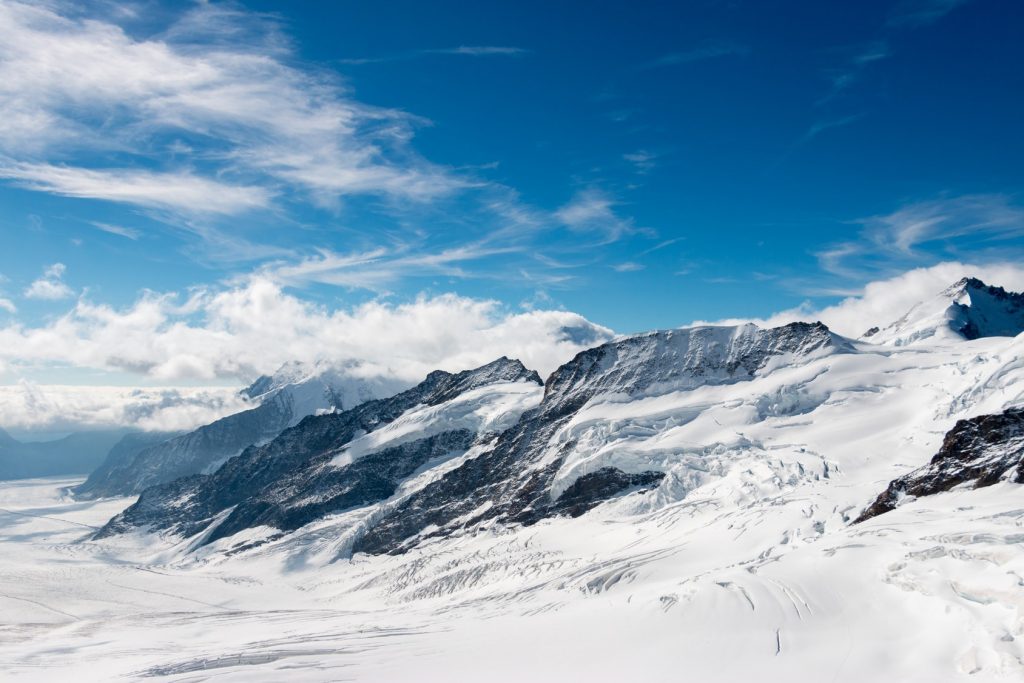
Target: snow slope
x=741, y=563
x=968, y=309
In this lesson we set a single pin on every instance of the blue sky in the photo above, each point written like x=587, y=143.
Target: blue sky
x=641, y=164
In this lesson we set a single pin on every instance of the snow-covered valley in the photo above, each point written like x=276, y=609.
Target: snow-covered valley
x=741, y=562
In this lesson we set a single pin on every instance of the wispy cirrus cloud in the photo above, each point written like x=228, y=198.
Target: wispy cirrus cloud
x=593, y=210
x=119, y=230
x=699, y=53
x=820, y=127
x=93, y=110
x=378, y=269
x=912, y=13
x=843, y=77
x=183, y=192
x=479, y=50
x=935, y=229
x=464, y=50
x=643, y=161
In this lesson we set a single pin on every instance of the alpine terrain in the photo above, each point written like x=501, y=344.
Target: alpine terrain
x=720, y=502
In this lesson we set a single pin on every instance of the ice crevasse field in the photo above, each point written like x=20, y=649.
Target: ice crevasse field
x=742, y=564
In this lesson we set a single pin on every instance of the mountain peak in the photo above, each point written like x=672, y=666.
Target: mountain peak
x=967, y=309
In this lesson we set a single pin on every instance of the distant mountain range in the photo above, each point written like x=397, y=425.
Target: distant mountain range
x=489, y=446
x=282, y=399
x=78, y=453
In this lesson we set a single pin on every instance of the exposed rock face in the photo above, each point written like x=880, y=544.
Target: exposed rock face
x=596, y=487
x=969, y=309
x=977, y=452
x=512, y=482
x=990, y=311
x=313, y=469
x=286, y=397
x=291, y=480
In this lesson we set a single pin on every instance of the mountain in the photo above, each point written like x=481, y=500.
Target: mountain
x=76, y=453
x=104, y=479
x=665, y=501
x=326, y=463
x=977, y=452
x=306, y=472
x=292, y=393
x=969, y=309
x=531, y=474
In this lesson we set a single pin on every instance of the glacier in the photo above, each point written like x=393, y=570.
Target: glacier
x=714, y=483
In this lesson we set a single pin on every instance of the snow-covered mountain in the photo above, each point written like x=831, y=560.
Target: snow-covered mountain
x=308, y=472
x=76, y=453
x=706, y=500
x=281, y=399
x=525, y=472
x=969, y=309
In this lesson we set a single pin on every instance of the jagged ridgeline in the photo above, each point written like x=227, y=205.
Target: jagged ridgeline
x=282, y=399
x=492, y=428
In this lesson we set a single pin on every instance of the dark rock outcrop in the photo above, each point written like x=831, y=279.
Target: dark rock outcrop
x=596, y=487
x=302, y=475
x=977, y=452
x=512, y=482
x=272, y=484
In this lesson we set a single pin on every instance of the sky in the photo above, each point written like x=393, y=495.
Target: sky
x=191, y=193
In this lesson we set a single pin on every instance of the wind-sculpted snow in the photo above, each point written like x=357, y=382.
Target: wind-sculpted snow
x=297, y=390
x=296, y=478
x=978, y=452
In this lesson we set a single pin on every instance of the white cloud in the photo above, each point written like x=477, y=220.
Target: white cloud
x=51, y=285
x=184, y=192
x=58, y=408
x=884, y=301
x=120, y=230
x=77, y=88
x=377, y=269
x=593, y=210
x=992, y=216
x=627, y=267
x=479, y=50
x=254, y=328
x=642, y=160
x=8, y=305
x=894, y=241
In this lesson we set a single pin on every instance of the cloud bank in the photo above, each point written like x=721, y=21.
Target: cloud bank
x=241, y=332
x=884, y=301
x=238, y=333
x=59, y=408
